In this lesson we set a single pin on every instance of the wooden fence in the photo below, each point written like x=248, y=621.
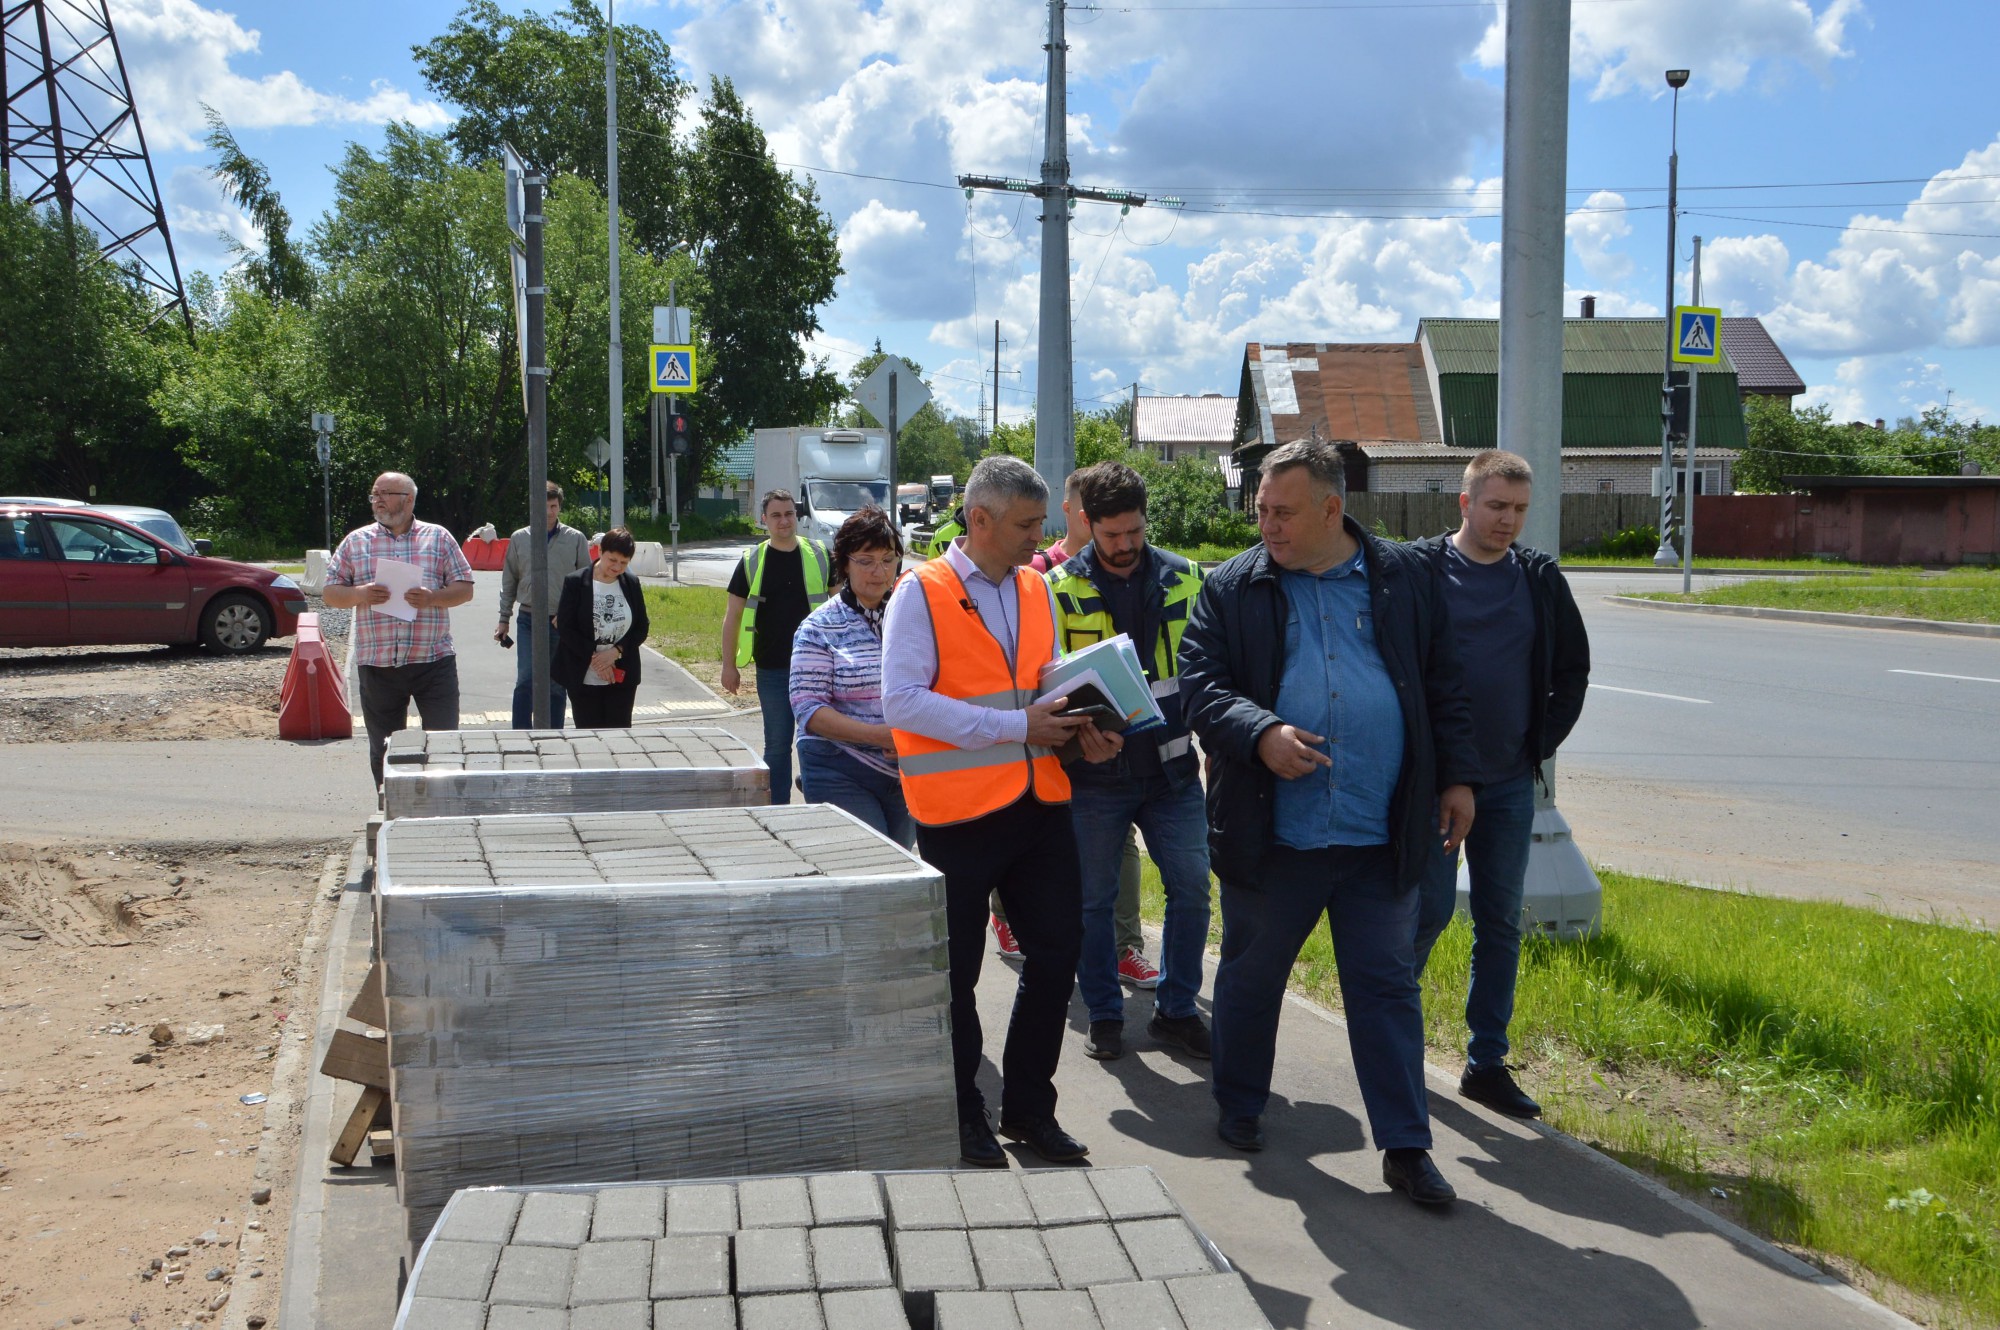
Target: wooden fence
x=1586, y=518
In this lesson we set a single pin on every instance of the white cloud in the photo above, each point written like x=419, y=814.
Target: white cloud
x=1595, y=231
x=1625, y=47
x=180, y=54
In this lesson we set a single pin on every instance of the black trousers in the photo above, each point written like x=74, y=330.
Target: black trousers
x=1026, y=852
x=605, y=706
x=388, y=690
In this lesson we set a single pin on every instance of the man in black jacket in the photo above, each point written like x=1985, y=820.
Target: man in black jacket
x=1319, y=673
x=1512, y=611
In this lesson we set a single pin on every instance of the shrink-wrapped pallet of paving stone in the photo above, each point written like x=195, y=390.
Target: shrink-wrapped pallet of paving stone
x=469, y=773
x=1047, y=1249
x=715, y=992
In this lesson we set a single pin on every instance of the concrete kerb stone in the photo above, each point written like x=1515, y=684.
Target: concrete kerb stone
x=1217, y=1300
x=480, y=1216
x=849, y=1256
x=701, y=1208
x=846, y=1198
x=923, y=1201
x=977, y=1311
x=1087, y=1254
x=1163, y=1248
x=1011, y=1258
x=695, y=1314
x=629, y=1212
x=460, y=1270
x=1147, y=1306
x=773, y=1203
x=773, y=1260
x=781, y=1311
x=1059, y=1309
x=992, y=1200
x=443, y=1314
x=1062, y=1196
x=1132, y=1193
x=612, y=1272
x=864, y=1309
x=691, y=1265
x=1832, y=618
x=554, y=1219
x=532, y=1277
x=935, y=1260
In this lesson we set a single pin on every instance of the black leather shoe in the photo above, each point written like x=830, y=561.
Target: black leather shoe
x=976, y=1145
x=1186, y=1033
x=1045, y=1138
x=1412, y=1173
x=1243, y=1133
x=1106, y=1040
x=1494, y=1087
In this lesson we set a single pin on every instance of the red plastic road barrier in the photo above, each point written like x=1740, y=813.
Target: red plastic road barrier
x=488, y=556
x=312, y=702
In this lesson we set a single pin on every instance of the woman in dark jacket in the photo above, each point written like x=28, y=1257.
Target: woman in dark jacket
x=600, y=626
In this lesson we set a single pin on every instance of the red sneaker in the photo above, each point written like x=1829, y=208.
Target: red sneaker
x=1003, y=938
x=1136, y=970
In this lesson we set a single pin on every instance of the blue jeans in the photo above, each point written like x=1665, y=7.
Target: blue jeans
x=1373, y=924
x=524, y=676
x=774, y=695
x=833, y=776
x=1496, y=858
x=1104, y=808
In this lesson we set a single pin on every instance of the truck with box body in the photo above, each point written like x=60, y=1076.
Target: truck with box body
x=831, y=473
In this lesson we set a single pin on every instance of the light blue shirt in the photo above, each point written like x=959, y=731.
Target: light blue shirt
x=910, y=659
x=1335, y=684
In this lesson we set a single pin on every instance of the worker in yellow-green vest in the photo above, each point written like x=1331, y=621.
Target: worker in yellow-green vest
x=948, y=530
x=773, y=589
x=1120, y=584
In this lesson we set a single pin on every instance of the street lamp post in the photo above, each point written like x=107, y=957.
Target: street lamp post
x=1665, y=556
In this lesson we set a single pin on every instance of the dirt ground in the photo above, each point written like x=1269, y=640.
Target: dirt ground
x=145, y=993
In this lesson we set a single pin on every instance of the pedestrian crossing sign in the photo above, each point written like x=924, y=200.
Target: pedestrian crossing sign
x=1697, y=339
x=673, y=369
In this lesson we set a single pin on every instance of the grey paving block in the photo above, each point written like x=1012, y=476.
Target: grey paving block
x=462, y=1270
x=1087, y=1254
x=1219, y=1301
x=1056, y=1309
x=1131, y=1193
x=1163, y=1248
x=692, y=1265
x=1146, y=1306
x=1062, y=1196
x=849, y=1256
x=481, y=1216
x=612, y=1316
x=1011, y=1258
x=992, y=1199
x=933, y=1260
x=533, y=1277
x=695, y=1314
x=864, y=1309
x=708, y=1207
x=527, y=1318
x=923, y=1200
x=773, y=1260
x=612, y=1272
x=773, y=1203
x=976, y=1311
x=629, y=1212
x=846, y=1198
x=781, y=1311
x=554, y=1219
x=445, y=1314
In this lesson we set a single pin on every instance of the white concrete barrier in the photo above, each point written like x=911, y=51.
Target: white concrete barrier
x=315, y=578
x=649, y=559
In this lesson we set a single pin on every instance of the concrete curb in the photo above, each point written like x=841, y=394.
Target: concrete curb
x=727, y=707
x=1947, y=627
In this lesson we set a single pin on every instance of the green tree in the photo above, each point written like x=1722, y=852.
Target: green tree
x=280, y=271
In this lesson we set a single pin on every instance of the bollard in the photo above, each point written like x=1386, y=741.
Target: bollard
x=312, y=701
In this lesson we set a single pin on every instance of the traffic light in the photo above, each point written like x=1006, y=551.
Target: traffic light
x=1676, y=403
x=677, y=434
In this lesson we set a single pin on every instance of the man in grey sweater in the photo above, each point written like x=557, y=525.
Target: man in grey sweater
x=569, y=551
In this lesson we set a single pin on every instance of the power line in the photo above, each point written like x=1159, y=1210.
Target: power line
x=1843, y=226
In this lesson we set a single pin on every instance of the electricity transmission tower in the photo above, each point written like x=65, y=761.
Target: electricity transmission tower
x=70, y=133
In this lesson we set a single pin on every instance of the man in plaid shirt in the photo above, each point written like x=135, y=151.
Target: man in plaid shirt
x=401, y=661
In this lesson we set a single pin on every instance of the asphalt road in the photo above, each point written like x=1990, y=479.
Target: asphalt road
x=1796, y=759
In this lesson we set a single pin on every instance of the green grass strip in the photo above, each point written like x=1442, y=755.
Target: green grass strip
x=1963, y=595
x=687, y=621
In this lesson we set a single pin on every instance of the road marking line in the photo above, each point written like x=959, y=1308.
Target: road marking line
x=1640, y=692
x=1930, y=674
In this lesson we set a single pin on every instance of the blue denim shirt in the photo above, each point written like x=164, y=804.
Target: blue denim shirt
x=1335, y=684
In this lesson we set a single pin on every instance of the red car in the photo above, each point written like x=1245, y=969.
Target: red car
x=78, y=577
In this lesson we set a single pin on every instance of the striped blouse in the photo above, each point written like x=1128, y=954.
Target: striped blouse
x=837, y=662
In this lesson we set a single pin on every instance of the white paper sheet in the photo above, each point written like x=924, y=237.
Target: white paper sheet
x=399, y=575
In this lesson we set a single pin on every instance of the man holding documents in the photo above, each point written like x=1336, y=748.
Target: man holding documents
x=964, y=644
x=400, y=577
x=1119, y=590
x=1319, y=670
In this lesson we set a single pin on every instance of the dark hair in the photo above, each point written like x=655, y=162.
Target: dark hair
x=555, y=491
x=617, y=541
x=869, y=529
x=1493, y=463
x=775, y=496
x=1110, y=488
x=1320, y=458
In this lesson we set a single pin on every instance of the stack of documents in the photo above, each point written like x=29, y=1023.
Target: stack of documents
x=1111, y=670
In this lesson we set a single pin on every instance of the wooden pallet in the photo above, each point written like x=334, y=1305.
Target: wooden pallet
x=361, y=1056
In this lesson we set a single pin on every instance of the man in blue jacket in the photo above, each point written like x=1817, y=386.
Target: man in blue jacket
x=1512, y=611
x=1319, y=672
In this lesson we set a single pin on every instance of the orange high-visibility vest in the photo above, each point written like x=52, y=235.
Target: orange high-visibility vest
x=941, y=783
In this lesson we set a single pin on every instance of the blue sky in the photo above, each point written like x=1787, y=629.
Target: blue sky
x=1381, y=119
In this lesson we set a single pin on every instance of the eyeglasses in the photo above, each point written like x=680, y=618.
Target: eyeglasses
x=873, y=565
x=388, y=494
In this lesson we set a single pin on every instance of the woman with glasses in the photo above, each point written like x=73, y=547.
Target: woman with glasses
x=846, y=755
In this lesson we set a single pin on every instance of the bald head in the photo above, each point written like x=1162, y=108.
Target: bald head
x=394, y=500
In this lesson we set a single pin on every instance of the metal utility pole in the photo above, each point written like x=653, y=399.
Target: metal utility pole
x=1664, y=556
x=537, y=371
x=1562, y=894
x=611, y=190
x=322, y=428
x=1694, y=404
x=996, y=380
x=1055, y=407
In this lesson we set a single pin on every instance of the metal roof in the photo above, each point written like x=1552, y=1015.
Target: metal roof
x=1761, y=367
x=1599, y=410
x=1210, y=418
x=1438, y=452
x=739, y=460
x=1354, y=390
x=1590, y=346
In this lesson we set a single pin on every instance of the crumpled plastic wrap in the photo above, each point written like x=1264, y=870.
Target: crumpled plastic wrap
x=606, y=997
x=467, y=773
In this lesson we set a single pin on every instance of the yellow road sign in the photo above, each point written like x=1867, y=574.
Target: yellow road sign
x=1697, y=335
x=673, y=369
